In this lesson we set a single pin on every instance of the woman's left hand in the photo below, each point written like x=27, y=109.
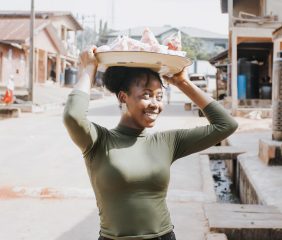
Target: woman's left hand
x=178, y=78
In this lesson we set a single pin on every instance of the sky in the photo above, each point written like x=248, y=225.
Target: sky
x=122, y=14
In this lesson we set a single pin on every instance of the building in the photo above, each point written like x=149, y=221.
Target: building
x=55, y=34
x=250, y=51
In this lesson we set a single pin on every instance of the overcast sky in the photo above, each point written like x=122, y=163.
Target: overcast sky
x=204, y=14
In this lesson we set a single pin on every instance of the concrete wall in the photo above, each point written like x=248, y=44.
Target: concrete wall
x=247, y=192
x=258, y=7
x=44, y=42
x=203, y=67
x=250, y=6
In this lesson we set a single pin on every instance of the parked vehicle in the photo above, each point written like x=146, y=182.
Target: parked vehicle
x=199, y=80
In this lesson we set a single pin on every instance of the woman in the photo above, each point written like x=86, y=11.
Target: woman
x=128, y=168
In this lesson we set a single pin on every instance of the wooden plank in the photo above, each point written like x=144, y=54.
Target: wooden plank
x=247, y=216
x=216, y=236
x=245, y=224
x=254, y=222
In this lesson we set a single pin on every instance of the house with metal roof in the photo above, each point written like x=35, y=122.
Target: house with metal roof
x=54, y=45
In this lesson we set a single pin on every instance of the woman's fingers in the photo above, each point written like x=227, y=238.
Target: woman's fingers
x=87, y=57
x=91, y=52
x=178, y=77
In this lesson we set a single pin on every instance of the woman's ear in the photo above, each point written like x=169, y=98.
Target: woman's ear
x=122, y=97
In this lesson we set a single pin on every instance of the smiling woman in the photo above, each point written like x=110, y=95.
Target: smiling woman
x=139, y=91
x=129, y=169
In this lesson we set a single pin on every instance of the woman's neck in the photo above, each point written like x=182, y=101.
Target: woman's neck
x=129, y=122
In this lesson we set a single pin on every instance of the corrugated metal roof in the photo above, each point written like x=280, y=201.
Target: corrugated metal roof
x=26, y=14
x=17, y=30
x=42, y=15
x=219, y=56
x=200, y=33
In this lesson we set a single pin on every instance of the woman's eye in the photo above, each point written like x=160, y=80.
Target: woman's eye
x=146, y=95
x=159, y=98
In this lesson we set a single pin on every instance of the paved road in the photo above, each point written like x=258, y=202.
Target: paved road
x=44, y=188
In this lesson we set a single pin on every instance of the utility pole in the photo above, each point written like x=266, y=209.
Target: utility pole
x=94, y=29
x=113, y=14
x=31, y=53
x=82, y=23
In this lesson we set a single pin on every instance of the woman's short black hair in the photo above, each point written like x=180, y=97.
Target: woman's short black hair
x=118, y=79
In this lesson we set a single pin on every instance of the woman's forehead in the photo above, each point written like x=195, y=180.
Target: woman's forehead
x=144, y=82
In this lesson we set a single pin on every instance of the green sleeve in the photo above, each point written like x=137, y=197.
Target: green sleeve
x=83, y=133
x=187, y=141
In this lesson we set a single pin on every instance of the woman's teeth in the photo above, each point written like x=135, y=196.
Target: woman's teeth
x=151, y=115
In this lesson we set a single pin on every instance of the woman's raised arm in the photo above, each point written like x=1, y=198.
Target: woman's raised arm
x=80, y=129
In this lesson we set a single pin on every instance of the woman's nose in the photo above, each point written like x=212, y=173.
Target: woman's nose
x=153, y=102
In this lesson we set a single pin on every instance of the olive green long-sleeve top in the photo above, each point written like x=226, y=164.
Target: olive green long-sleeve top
x=130, y=169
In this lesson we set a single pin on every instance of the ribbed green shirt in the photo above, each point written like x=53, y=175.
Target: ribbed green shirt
x=130, y=169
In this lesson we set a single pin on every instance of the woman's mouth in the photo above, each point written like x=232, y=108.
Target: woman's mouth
x=152, y=115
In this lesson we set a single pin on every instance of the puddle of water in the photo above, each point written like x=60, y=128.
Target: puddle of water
x=223, y=185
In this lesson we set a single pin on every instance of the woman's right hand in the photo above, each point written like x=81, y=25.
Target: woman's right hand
x=87, y=62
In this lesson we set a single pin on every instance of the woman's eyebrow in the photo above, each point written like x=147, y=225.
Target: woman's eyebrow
x=147, y=89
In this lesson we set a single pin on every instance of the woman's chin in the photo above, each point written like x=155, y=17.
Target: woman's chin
x=150, y=125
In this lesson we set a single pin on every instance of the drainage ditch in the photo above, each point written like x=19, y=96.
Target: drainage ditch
x=223, y=184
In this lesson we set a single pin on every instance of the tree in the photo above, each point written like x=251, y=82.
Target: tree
x=192, y=46
x=195, y=49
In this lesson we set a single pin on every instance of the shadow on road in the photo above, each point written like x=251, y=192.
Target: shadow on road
x=87, y=229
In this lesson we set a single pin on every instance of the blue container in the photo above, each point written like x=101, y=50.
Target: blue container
x=242, y=86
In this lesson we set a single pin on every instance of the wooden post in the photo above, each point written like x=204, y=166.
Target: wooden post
x=230, y=13
x=234, y=92
x=58, y=68
x=36, y=64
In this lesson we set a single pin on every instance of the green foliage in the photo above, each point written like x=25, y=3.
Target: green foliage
x=192, y=46
x=195, y=49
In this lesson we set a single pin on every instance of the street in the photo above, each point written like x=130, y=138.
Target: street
x=45, y=192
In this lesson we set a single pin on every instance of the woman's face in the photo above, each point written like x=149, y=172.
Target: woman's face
x=144, y=103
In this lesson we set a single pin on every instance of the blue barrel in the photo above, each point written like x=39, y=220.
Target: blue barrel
x=242, y=86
